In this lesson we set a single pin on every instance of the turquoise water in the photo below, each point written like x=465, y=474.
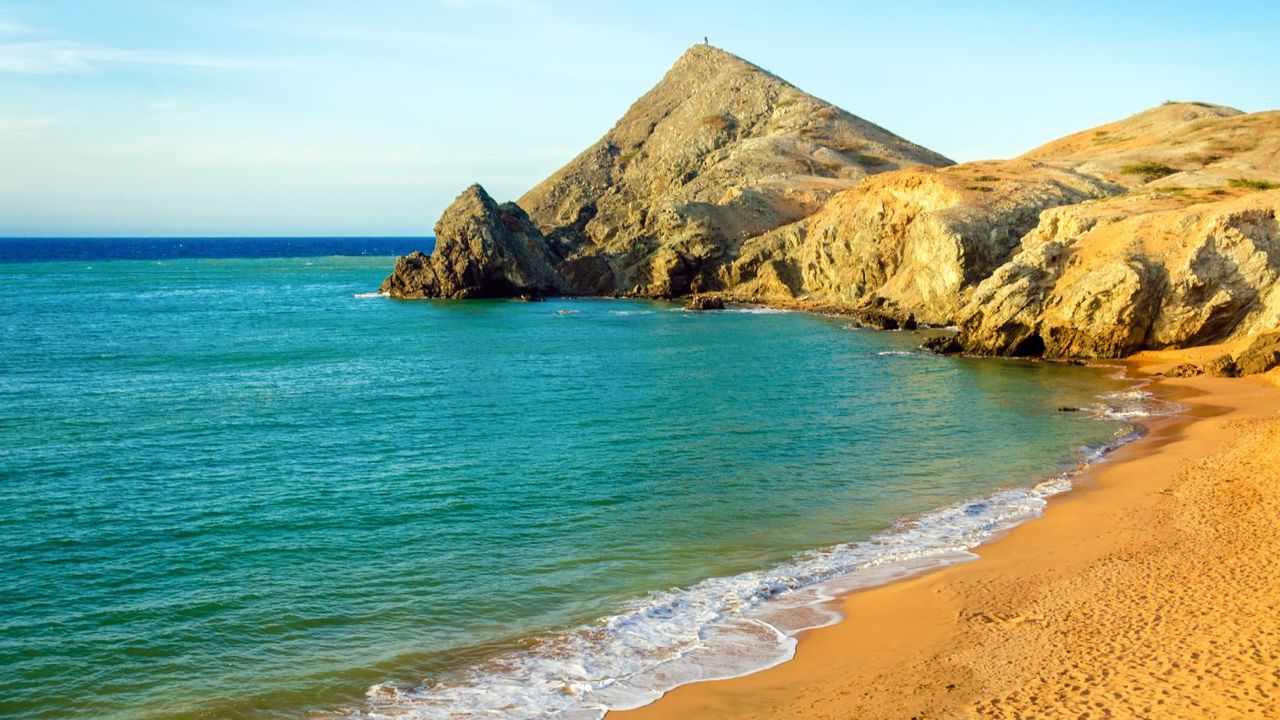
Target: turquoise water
x=239, y=488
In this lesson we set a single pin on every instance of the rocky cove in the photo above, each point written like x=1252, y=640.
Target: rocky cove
x=727, y=183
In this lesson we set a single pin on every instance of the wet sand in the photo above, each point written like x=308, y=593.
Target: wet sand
x=1149, y=591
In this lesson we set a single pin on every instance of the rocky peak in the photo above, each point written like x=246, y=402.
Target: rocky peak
x=718, y=151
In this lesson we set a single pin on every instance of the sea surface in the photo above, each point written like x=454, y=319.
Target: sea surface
x=248, y=486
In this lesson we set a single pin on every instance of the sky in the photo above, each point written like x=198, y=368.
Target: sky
x=240, y=117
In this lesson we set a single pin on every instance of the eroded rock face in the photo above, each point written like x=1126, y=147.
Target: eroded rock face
x=1107, y=279
x=483, y=249
x=919, y=238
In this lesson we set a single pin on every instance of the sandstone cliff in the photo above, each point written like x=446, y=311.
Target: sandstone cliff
x=1155, y=271
x=966, y=243
x=919, y=238
x=1188, y=255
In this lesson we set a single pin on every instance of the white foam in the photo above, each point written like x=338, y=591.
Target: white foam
x=761, y=310
x=371, y=295
x=726, y=626
x=1136, y=403
x=897, y=353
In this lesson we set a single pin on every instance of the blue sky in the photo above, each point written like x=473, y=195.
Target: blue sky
x=123, y=117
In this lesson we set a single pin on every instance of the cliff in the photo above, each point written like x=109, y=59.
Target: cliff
x=1168, y=239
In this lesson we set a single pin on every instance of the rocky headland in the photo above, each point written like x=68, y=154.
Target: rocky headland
x=726, y=182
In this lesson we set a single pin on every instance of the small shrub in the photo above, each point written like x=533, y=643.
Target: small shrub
x=979, y=188
x=852, y=148
x=871, y=160
x=1248, y=184
x=987, y=178
x=1205, y=158
x=1148, y=169
x=719, y=123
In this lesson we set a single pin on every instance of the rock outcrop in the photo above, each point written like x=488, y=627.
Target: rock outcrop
x=704, y=302
x=1188, y=255
x=483, y=250
x=1261, y=355
x=920, y=238
x=1109, y=278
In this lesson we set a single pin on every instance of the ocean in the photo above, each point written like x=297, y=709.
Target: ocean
x=235, y=482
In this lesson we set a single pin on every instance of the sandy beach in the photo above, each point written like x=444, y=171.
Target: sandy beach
x=1149, y=591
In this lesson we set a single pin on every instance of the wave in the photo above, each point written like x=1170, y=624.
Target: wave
x=1136, y=403
x=727, y=626
x=759, y=310
x=370, y=295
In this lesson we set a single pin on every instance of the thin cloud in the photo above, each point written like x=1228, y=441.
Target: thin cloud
x=12, y=28
x=61, y=56
x=14, y=125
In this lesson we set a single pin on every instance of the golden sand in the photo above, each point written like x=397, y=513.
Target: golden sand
x=1150, y=591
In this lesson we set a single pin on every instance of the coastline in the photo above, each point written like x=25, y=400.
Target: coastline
x=1126, y=597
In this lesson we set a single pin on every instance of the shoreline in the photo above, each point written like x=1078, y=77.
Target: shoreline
x=1002, y=510
x=940, y=643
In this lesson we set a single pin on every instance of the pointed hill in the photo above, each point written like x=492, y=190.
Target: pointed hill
x=717, y=152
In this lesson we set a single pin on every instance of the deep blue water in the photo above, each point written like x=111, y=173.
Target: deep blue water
x=22, y=250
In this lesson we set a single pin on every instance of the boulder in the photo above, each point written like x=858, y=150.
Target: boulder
x=1223, y=366
x=704, y=302
x=1184, y=370
x=942, y=345
x=483, y=249
x=1261, y=355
